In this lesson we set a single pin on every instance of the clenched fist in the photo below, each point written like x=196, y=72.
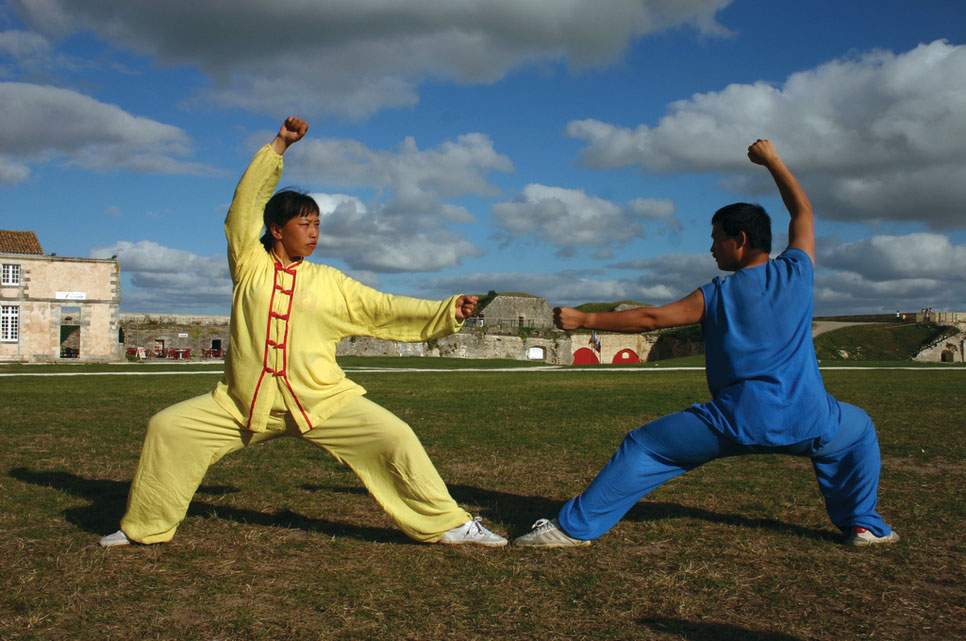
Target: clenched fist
x=291, y=131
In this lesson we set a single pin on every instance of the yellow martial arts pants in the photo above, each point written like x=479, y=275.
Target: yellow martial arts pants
x=183, y=440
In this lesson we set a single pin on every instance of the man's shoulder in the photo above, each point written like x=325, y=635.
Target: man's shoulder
x=794, y=255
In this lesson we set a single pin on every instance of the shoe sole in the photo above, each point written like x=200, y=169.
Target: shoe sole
x=855, y=541
x=581, y=544
x=113, y=544
x=480, y=543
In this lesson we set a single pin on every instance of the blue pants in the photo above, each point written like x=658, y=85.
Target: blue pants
x=846, y=467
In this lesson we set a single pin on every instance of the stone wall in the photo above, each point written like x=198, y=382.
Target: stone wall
x=951, y=349
x=471, y=345
x=612, y=345
x=941, y=318
x=176, y=332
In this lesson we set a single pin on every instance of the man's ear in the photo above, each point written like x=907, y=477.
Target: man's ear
x=742, y=239
x=275, y=231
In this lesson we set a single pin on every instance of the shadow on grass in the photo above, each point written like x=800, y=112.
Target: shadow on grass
x=109, y=498
x=523, y=510
x=695, y=631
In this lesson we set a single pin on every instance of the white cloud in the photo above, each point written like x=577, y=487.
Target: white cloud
x=570, y=287
x=570, y=218
x=876, y=275
x=23, y=44
x=885, y=273
x=369, y=241
x=12, y=172
x=680, y=273
x=163, y=279
x=354, y=57
x=881, y=136
x=886, y=258
x=454, y=168
x=404, y=228
x=41, y=122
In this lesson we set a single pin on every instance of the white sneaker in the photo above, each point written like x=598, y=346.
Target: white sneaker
x=861, y=536
x=474, y=532
x=113, y=540
x=547, y=534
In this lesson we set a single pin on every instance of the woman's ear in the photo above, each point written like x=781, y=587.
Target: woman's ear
x=275, y=231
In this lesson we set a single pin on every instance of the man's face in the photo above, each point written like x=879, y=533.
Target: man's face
x=300, y=235
x=725, y=249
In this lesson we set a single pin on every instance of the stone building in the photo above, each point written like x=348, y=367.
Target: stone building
x=510, y=313
x=54, y=308
x=616, y=349
x=175, y=337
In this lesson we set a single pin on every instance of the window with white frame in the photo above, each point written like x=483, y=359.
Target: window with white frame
x=11, y=274
x=9, y=323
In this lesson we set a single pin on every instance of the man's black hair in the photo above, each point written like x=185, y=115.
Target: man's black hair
x=745, y=217
x=283, y=207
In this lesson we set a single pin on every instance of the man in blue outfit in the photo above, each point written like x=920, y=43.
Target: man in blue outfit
x=767, y=392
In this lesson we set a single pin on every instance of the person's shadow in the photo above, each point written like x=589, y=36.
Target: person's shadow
x=701, y=631
x=522, y=510
x=108, y=500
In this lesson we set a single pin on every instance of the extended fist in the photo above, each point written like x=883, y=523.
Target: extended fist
x=568, y=318
x=465, y=306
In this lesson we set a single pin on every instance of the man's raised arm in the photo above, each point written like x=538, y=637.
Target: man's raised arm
x=801, y=229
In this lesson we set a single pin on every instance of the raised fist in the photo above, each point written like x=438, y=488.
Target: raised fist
x=292, y=130
x=762, y=152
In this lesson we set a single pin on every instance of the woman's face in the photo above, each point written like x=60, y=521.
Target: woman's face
x=299, y=236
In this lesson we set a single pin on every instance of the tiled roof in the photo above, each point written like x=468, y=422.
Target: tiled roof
x=19, y=242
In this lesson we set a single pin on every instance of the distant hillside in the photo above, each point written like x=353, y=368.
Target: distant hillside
x=678, y=342
x=885, y=342
x=869, y=318
x=608, y=307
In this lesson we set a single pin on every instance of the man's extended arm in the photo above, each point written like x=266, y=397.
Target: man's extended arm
x=687, y=311
x=801, y=229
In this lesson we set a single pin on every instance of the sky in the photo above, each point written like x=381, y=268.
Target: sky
x=572, y=150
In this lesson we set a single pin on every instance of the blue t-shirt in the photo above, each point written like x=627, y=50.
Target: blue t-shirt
x=765, y=385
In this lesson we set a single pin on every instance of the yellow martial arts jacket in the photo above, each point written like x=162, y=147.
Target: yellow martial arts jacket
x=286, y=321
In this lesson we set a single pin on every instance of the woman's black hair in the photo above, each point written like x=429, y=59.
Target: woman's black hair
x=745, y=217
x=283, y=207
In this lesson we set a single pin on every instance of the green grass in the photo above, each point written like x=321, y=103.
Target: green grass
x=877, y=342
x=281, y=542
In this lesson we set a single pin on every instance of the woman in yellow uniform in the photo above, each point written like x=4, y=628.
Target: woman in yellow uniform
x=281, y=377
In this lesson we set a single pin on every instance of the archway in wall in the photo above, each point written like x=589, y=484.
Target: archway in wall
x=585, y=356
x=626, y=356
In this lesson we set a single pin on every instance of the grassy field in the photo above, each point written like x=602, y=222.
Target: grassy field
x=281, y=542
x=877, y=342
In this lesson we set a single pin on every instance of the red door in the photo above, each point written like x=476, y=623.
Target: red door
x=585, y=356
x=626, y=356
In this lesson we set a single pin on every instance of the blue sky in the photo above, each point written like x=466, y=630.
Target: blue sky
x=573, y=150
